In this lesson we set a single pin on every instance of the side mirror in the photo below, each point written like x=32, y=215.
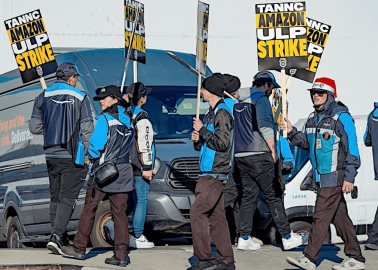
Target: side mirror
x=308, y=183
x=354, y=193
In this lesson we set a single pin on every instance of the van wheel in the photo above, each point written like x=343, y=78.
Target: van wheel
x=102, y=234
x=302, y=228
x=14, y=233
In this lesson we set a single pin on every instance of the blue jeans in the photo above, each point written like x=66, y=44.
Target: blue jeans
x=140, y=204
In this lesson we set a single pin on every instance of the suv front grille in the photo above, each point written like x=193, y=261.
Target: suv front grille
x=184, y=173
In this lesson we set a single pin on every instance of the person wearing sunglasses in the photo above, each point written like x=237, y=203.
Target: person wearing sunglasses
x=330, y=136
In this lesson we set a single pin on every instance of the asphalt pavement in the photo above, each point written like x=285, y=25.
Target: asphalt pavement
x=170, y=258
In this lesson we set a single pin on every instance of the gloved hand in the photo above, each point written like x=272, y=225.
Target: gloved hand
x=286, y=167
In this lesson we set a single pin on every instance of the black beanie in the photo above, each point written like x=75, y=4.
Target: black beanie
x=232, y=83
x=215, y=84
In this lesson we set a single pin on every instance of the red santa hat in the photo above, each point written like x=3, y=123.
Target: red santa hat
x=325, y=84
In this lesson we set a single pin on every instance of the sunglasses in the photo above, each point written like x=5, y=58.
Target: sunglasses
x=319, y=93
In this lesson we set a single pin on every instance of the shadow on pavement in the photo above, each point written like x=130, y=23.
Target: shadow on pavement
x=97, y=251
x=329, y=252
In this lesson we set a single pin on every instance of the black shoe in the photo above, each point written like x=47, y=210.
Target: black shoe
x=55, y=244
x=65, y=240
x=371, y=246
x=69, y=252
x=223, y=266
x=114, y=261
x=204, y=265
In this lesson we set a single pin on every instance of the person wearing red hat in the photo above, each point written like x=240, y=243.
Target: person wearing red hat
x=330, y=136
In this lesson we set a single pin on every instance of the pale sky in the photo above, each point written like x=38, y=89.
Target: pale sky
x=350, y=56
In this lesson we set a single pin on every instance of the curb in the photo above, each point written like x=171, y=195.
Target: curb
x=49, y=267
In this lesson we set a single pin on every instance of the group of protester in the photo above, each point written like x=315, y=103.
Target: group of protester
x=243, y=133
x=241, y=158
x=123, y=135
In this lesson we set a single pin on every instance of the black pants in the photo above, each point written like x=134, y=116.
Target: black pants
x=330, y=207
x=373, y=232
x=66, y=180
x=257, y=173
x=208, y=221
x=232, y=200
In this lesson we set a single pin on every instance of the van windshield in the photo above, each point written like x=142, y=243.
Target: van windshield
x=171, y=110
x=301, y=156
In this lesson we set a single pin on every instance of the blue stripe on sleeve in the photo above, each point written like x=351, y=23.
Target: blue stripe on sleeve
x=350, y=130
x=99, y=138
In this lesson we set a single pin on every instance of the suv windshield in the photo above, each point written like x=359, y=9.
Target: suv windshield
x=171, y=110
x=301, y=156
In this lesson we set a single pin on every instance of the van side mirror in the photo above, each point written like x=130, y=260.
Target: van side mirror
x=354, y=193
x=308, y=183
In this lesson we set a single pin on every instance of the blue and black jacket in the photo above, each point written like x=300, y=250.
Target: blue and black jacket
x=230, y=102
x=248, y=138
x=112, y=125
x=371, y=136
x=215, y=144
x=330, y=136
x=59, y=113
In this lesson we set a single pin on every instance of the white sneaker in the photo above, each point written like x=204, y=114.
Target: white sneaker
x=248, y=244
x=349, y=264
x=140, y=242
x=302, y=262
x=258, y=241
x=294, y=241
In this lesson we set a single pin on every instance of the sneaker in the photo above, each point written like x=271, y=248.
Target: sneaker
x=258, y=241
x=294, y=241
x=248, y=244
x=55, y=244
x=349, y=264
x=69, y=252
x=225, y=266
x=204, y=265
x=141, y=242
x=371, y=246
x=65, y=239
x=302, y=261
x=114, y=261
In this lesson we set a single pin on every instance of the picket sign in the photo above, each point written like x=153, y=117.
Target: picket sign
x=201, y=46
x=128, y=52
x=31, y=46
x=135, y=71
x=192, y=69
x=198, y=96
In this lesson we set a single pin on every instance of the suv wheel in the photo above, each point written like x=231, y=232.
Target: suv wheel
x=102, y=234
x=14, y=233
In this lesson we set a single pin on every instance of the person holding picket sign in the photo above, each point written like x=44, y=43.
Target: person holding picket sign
x=330, y=136
x=213, y=137
x=255, y=158
x=62, y=113
x=110, y=146
x=231, y=192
